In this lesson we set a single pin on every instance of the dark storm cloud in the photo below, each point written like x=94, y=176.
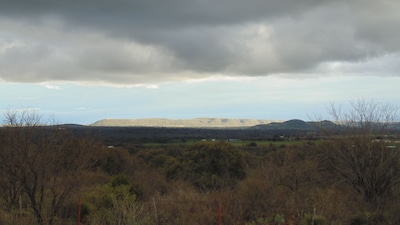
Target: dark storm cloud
x=155, y=13
x=146, y=41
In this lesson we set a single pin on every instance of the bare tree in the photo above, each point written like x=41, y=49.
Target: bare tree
x=364, y=116
x=370, y=168
x=15, y=137
x=366, y=165
x=42, y=163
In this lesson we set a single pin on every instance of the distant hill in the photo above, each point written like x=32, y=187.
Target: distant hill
x=311, y=125
x=197, y=122
x=296, y=125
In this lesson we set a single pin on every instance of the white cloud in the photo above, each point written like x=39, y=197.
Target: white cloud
x=384, y=65
x=51, y=86
x=81, y=109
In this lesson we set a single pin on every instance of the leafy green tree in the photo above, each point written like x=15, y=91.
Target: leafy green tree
x=113, y=203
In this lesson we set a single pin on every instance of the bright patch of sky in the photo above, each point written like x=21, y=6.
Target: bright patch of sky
x=255, y=98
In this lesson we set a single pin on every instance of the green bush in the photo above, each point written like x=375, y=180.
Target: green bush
x=113, y=203
x=310, y=219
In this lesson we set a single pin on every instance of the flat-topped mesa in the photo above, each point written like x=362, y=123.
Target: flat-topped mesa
x=196, y=122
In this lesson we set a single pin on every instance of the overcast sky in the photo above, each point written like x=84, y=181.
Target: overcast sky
x=83, y=60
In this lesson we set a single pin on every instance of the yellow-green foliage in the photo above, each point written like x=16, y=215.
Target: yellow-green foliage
x=113, y=203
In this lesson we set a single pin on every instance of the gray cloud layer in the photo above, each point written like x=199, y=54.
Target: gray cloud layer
x=132, y=41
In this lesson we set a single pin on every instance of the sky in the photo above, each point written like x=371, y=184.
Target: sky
x=80, y=61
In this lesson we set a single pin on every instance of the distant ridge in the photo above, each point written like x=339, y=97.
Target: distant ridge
x=197, y=122
x=296, y=124
x=301, y=125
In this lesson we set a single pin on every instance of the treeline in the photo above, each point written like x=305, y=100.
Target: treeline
x=124, y=136
x=49, y=175
x=339, y=181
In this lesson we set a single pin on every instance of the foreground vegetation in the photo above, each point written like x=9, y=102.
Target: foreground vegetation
x=50, y=176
